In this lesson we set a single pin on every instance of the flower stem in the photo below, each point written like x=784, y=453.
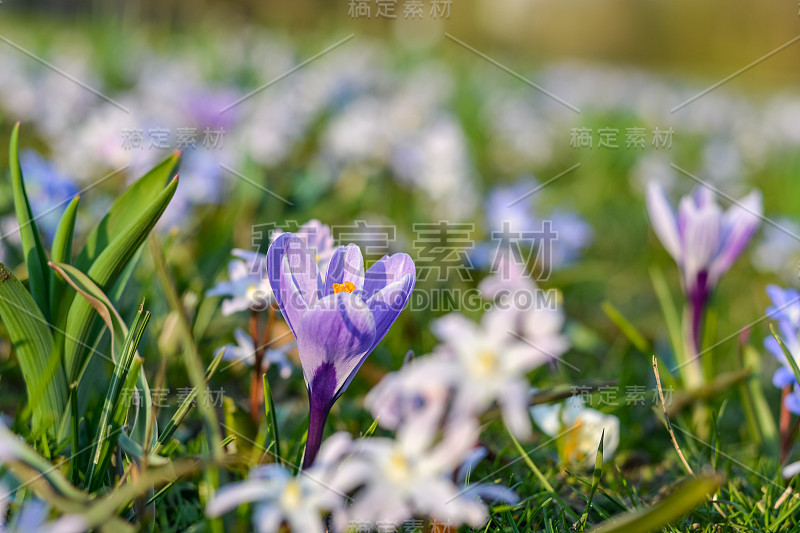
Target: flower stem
x=255, y=381
x=317, y=416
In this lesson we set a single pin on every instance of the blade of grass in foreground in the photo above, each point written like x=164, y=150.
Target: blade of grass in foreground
x=43, y=374
x=685, y=498
x=32, y=248
x=540, y=476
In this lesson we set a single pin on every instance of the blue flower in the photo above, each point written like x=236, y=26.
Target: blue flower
x=49, y=191
x=785, y=309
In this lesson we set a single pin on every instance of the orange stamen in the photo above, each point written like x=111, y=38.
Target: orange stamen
x=343, y=287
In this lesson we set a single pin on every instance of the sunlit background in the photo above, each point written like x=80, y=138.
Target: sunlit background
x=287, y=111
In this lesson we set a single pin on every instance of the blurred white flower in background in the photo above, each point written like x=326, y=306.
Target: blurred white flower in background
x=778, y=250
x=248, y=286
x=491, y=359
x=412, y=475
x=280, y=498
x=245, y=351
x=577, y=430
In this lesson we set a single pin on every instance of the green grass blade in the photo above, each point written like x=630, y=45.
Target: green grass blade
x=627, y=329
x=113, y=321
x=186, y=405
x=44, y=376
x=789, y=357
x=191, y=354
x=32, y=248
x=685, y=498
x=754, y=399
x=538, y=473
x=109, y=419
x=671, y=315
x=61, y=252
x=127, y=207
x=598, y=475
x=272, y=419
x=104, y=272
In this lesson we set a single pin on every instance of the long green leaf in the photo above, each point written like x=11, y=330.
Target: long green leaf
x=126, y=208
x=685, y=498
x=44, y=376
x=61, y=252
x=32, y=248
x=113, y=321
x=104, y=272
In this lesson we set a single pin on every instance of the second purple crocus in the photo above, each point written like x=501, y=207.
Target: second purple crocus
x=703, y=240
x=338, y=320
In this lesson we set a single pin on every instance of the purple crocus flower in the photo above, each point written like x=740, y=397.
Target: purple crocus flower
x=318, y=239
x=337, y=320
x=703, y=240
x=785, y=309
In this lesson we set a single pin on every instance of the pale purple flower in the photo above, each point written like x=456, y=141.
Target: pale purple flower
x=785, y=309
x=507, y=278
x=318, y=239
x=574, y=234
x=245, y=351
x=412, y=476
x=420, y=391
x=778, y=250
x=247, y=287
x=492, y=358
x=338, y=320
x=509, y=207
x=281, y=499
x=703, y=240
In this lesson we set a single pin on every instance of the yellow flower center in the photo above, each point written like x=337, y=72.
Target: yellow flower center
x=291, y=495
x=486, y=362
x=572, y=452
x=251, y=292
x=398, y=466
x=343, y=287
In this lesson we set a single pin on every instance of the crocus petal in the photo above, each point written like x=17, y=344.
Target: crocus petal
x=338, y=330
x=388, y=269
x=741, y=222
x=293, y=276
x=385, y=306
x=663, y=219
x=700, y=239
x=387, y=303
x=347, y=264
